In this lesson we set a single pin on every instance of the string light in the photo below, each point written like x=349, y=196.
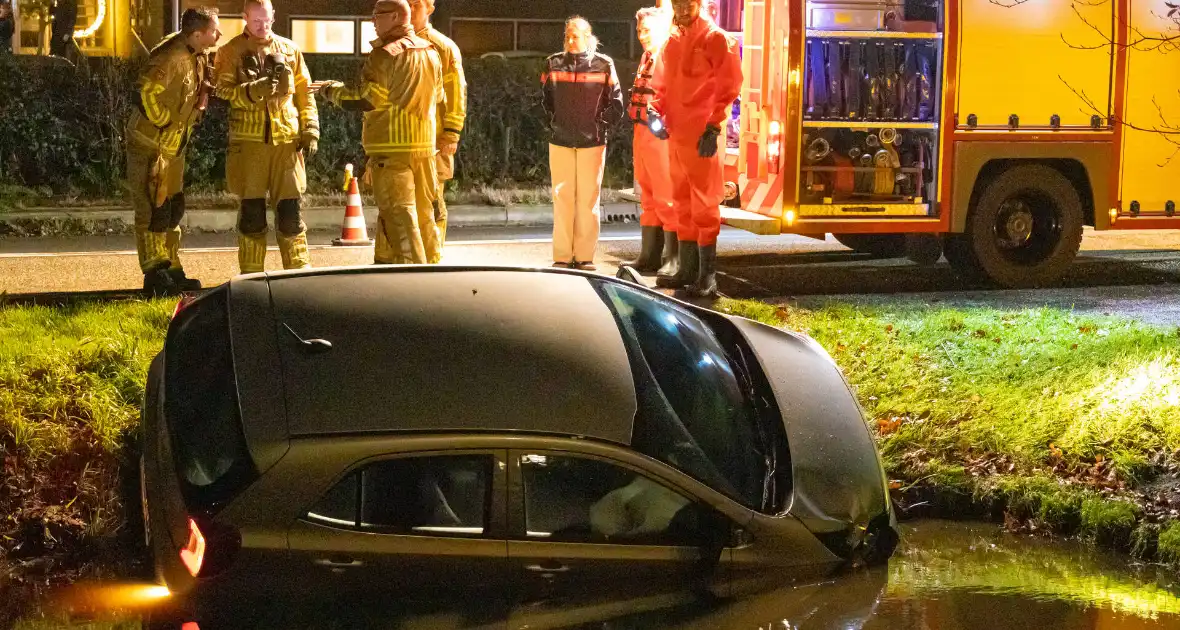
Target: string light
x=98, y=19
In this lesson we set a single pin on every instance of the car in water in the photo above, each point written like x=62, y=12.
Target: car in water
x=486, y=439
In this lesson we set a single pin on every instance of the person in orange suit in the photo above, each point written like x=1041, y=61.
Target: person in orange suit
x=697, y=77
x=650, y=152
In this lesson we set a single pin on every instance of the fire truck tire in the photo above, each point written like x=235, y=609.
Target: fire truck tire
x=1023, y=231
x=879, y=245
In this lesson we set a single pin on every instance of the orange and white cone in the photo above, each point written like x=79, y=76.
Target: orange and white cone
x=353, y=231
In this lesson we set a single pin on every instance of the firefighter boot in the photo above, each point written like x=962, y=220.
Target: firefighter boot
x=649, y=250
x=252, y=252
x=156, y=281
x=291, y=233
x=176, y=270
x=706, y=283
x=670, y=260
x=293, y=250
x=688, y=267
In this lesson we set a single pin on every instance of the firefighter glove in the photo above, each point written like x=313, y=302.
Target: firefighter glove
x=707, y=147
x=310, y=145
x=656, y=124
x=263, y=88
x=330, y=90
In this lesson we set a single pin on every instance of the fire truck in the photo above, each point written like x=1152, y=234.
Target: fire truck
x=988, y=131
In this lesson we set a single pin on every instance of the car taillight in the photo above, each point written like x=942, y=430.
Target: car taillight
x=211, y=547
x=185, y=300
x=774, y=146
x=193, y=554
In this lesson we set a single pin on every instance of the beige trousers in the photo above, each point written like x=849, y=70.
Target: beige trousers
x=577, y=189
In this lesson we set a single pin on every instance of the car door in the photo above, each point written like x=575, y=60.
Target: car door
x=592, y=539
x=411, y=537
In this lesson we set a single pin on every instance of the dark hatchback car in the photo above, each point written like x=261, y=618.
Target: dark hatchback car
x=488, y=439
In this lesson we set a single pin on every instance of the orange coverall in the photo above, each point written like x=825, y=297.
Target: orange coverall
x=697, y=77
x=650, y=155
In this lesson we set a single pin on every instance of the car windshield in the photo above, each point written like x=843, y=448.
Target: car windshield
x=696, y=408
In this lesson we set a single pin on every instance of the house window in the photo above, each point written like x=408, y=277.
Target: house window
x=325, y=36
x=540, y=36
x=368, y=34
x=476, y=37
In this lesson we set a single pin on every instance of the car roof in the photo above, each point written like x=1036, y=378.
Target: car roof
x=440, y=349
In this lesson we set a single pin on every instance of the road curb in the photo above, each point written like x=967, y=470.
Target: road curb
x=106, y=220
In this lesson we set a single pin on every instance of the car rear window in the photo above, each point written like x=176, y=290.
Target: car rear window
x=696, y=411
x=201, y=405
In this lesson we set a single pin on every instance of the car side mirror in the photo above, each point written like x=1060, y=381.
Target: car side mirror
x=628, y=273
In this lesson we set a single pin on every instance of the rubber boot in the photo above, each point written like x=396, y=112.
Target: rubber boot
x=293, y=251
x=670, y=259
x=183, y=282
x=649, y=249
x=706, y=282
x=689, y=267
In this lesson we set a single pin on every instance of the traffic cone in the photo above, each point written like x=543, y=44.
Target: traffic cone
x=353, y=231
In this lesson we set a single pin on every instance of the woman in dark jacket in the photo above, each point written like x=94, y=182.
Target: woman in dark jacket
x=583, y=100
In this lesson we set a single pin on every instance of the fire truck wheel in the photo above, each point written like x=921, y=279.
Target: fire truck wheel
x=1024, y=230
x=879, y=245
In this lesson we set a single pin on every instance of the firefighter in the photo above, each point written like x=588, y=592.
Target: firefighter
x=401, y=91
x=274, y=129
x=168, y=102
x=582, y=98
x=450, y=118
x=650, y=152
x=697, y=77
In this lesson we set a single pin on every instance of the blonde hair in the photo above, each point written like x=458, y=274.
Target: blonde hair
x=583, y=25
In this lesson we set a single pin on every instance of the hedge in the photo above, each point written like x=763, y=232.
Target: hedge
x=61, y=128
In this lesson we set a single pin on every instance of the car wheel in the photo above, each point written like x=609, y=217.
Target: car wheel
x=879, y=245
x=1024, y=230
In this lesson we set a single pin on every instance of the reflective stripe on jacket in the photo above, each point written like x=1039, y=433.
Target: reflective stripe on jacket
x=278, y=119
x=166, y=97
x=401, y=91
x=582, y=98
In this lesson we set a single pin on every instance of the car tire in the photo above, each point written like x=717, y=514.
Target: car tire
x=878, y=245
x=1023, y=231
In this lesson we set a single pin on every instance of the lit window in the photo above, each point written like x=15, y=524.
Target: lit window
x=324, y=36
x=368, y=34
x=230, y=28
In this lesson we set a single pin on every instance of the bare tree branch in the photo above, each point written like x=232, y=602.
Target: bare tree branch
x=1167, y=131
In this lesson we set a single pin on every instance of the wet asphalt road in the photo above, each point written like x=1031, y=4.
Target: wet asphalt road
x=1134, y=274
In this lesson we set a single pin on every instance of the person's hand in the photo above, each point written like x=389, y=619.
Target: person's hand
x=263, y=88
x=707, y=147
x=310, y=145
x=448, y=149
x=326, y=89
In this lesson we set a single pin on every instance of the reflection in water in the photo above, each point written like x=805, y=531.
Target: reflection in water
x=946, y=576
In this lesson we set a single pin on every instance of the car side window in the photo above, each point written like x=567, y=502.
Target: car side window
x=445, y=495
x=574, y=499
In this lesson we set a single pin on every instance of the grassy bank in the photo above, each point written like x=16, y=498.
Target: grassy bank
x=1051, y=421
x=1046, y=420
x=71, y=381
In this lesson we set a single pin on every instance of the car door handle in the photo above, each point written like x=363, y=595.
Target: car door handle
x=546, y=567
x=338, y=564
